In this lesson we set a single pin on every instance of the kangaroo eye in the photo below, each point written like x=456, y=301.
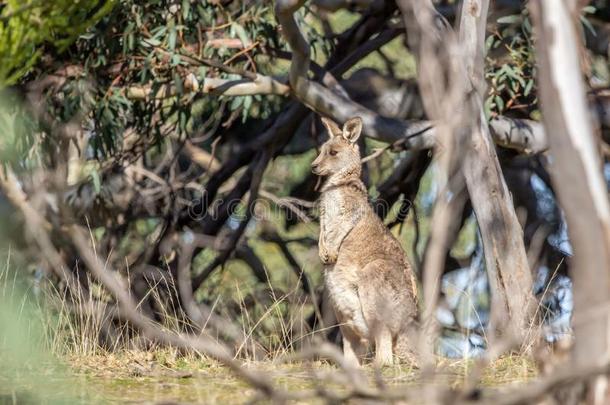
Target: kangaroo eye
x=332, y=152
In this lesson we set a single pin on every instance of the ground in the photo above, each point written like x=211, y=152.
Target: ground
x=164, y=376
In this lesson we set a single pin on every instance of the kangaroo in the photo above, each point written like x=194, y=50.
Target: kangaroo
x=369, y=280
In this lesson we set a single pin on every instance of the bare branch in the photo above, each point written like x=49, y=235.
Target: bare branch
x=324, y=101
x=525, y=136
x=213, y=86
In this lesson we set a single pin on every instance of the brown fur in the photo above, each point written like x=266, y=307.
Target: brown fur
x=368, y=277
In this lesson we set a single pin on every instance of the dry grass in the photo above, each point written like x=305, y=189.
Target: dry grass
x=170, y=369
x=133, y=369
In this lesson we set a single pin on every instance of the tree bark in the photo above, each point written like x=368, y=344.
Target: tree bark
x=505, y=257
x=576, y=174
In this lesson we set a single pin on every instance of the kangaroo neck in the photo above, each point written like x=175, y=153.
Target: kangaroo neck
x=345, y=178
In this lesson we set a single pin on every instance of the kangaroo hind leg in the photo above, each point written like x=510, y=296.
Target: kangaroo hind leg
x=354, y=349
x=383, y=346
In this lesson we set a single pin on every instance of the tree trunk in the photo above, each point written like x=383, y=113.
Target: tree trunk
x=576, y=174
x=505, y=256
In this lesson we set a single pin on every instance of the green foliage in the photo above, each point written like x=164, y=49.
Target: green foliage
x=155, y=44
x=16, y=128
x=27, y=26
x=511, y=67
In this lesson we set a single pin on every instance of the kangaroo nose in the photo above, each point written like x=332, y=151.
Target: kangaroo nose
x=314, y=165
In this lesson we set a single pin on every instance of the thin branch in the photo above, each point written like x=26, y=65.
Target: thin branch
x=286, y=203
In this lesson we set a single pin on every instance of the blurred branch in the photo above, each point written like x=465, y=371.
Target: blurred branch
x=225, y=43
x=435, y=48
x=127, y=305
x=202, y=157
x=37, y=226
x=577, y=179
x=129, y=309
x=522, y=135
x=288, y=203
x=198, y=313
x=213, y=86
x=566, y=377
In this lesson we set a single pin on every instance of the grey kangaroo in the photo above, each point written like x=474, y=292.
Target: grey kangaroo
x=369, y=280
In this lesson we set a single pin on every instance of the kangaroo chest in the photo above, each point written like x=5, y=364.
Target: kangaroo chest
x=333, y=205
x=340, y=203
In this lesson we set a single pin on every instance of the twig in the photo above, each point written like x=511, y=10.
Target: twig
x=287, y=203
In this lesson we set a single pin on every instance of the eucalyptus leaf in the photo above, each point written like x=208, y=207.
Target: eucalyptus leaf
x=510, y=19
x=186, y=8
x=95, y=179
x=242, y=35
x=528, y=87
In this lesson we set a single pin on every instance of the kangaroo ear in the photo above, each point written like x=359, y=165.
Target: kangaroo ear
x=352, y=129
x=332, y=128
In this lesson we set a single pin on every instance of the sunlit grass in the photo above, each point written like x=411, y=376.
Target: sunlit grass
x=49, y=349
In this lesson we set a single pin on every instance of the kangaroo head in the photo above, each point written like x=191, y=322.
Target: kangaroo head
x=340, y=153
